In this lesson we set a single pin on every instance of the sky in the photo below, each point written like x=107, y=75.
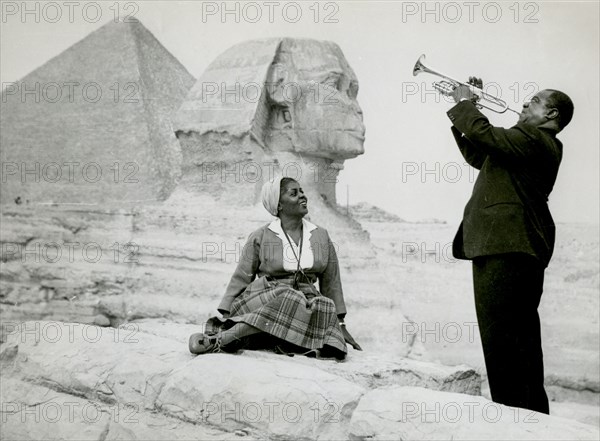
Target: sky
x=411, y=166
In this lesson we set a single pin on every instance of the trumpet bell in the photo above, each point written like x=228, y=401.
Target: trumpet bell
x=419, y=66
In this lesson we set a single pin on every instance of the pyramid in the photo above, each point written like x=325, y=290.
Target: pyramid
x=92, y=125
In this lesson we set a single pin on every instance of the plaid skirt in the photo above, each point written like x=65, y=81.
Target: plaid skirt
x=303, y=319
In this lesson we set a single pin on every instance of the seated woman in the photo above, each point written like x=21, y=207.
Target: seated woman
x=271, y=298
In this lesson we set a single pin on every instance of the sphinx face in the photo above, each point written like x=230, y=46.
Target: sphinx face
x=313, y=97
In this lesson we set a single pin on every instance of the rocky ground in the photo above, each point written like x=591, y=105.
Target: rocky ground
x=410, y=307
x=436, y=294
x=72, y=381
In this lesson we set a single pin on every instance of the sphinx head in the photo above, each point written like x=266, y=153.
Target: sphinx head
x=287, y=94
x=263, y=105
x=312, y=98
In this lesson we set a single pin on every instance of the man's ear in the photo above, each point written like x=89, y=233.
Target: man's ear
x=552, y=113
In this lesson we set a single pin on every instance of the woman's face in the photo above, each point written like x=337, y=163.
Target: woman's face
x=292, y=200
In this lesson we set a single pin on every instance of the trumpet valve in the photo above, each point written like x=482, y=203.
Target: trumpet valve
x=444, y=87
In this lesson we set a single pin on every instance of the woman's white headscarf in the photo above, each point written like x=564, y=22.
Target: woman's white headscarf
x=270, y=194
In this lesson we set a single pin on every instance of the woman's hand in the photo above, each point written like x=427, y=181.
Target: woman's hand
x=348, y=338
x=224, y=314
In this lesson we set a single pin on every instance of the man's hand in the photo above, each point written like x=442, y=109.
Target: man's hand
x=465, y=92
x=477, y=82
x=461, y=92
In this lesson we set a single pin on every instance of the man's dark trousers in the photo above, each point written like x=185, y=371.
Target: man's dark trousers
x=508, y=288
x=508, y=232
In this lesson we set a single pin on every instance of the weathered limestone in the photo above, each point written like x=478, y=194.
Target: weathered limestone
x=368, y=368
x=92, y=125
x=127, y=369
x=37, y=412
x=143, y=369
x=273, y=396
x=415, y=413
x=84, y=382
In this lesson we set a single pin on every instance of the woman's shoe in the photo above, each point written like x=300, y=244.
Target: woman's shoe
x=313, y=353
x=201, y=343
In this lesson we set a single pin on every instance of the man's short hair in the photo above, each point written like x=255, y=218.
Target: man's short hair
x=561, y=102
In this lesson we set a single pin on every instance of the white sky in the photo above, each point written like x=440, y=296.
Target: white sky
x=531, y=44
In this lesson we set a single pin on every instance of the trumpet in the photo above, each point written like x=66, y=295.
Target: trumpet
x=447, y=85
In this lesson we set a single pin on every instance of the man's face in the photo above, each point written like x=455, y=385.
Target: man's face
x=536, y=111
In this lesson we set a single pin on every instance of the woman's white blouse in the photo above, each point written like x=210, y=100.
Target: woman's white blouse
x=290, y=263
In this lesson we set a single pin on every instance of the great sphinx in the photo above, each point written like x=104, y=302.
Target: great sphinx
x=270, y=106
x=282, y=106
x=262, y=107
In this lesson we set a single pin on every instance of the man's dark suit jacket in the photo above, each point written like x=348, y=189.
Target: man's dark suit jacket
x=508, y=210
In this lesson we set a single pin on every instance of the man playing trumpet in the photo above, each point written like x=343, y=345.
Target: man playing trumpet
x=508, y=233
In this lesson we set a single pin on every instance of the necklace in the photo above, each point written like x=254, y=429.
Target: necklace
x=299, y=256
